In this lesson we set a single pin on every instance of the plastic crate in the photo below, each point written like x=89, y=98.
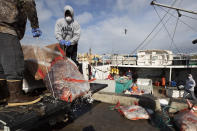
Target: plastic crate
x=174, y=93
x=145, y=84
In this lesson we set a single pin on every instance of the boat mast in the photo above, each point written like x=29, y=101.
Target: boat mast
x=175, y=8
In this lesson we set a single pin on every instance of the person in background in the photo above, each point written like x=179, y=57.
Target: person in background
x=67, y=32
x=13, y=19
x=163, y=84
x=129, y=74
x=163, y=81
x=110, y=77
x=135, y=77
x=189, y=87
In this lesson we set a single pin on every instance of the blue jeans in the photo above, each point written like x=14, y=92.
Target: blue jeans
x=190, y=94
x=11, y=57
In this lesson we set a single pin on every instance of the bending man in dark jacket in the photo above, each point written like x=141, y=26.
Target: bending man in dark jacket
x=13, y=18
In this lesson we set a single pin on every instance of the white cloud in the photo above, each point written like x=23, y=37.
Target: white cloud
x=81, y=2
x=131, y=5
x=56, y=7
x=106, y=35
x=84, y=18
x=44, y=14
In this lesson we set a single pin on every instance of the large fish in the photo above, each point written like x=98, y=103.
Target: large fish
x=186, y=120
x=61, y=75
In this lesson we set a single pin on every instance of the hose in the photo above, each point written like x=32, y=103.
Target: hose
x=24, y=103
x=164, y=119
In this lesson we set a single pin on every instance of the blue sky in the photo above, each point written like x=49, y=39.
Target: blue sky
x=103, y=23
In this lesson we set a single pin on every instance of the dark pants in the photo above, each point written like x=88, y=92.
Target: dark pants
x=71, y=52
x=11, y=58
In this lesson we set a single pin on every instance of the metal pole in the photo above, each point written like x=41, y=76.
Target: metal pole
x=175, y=8
x=170, y=76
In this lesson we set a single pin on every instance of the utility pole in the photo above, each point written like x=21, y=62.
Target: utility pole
x=175, y=8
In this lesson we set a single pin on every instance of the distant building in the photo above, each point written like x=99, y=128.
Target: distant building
x=91, y=58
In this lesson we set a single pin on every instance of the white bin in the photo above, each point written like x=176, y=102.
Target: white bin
x=145, y=84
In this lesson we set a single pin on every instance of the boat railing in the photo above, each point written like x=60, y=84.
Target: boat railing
x=122, y=60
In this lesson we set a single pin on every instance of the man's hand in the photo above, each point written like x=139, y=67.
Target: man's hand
x=62, y=42
x=36, y=32
x=68, y=43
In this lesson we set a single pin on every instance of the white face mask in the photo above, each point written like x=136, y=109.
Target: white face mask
x=68, y=19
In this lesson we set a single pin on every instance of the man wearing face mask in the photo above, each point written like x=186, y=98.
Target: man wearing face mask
x=189, y=87
x=67, y=32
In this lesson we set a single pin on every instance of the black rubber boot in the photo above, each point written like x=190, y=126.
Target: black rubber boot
x=16, y=93
x=4, y=92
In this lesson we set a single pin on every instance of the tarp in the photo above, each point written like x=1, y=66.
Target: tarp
x=122, y=84
x=132, y=112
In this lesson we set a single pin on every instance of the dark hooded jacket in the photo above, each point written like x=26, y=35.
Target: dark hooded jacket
x=14, y=14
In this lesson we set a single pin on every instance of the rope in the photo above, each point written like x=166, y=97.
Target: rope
x=166, y=116
x=155, y=34
x=190, y=17
x=49, y=78
x=172, y=38
x=114, y=108
x=146, y=37
x=174, y=32
x=25, y=103
x=98, y=69
x=47, y=73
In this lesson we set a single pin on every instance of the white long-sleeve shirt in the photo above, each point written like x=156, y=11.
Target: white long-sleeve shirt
x=190, y=84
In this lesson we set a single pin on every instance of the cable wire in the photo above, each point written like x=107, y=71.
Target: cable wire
x=193, y=29
x=174, y=34
x=147, y=37
x=156, y=34
x=190, y=17
x=165, y=29
x=151, y=31
x=172, y=38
